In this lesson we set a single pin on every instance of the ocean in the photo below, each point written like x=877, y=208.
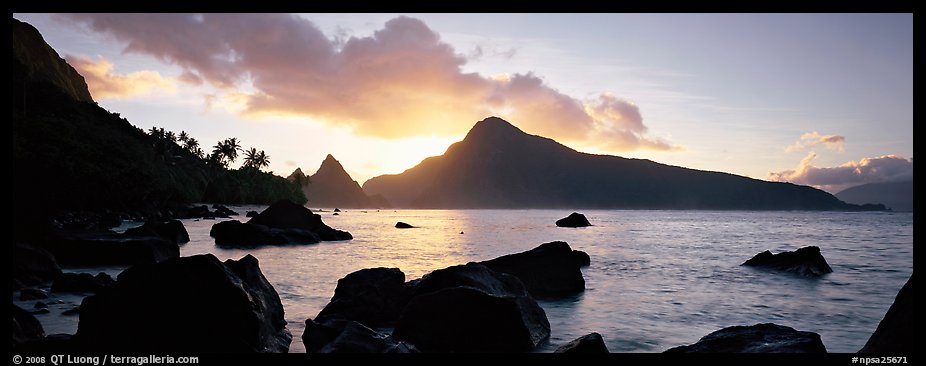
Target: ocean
x=658, y=279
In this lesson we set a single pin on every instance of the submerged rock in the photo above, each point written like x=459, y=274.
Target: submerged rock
x=346, y=336
x=109, y=248
x=191, y=304
x=471, y=308
x=82, y=282
x=402, y=225
x=589, y=343
x=548, y=271
x=372, y=296
x=574, y=219
x=894, y=334
x=759, y=338
x=171, y=230
x=806, y=261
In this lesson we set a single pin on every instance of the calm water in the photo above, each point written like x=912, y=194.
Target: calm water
x=658, y=279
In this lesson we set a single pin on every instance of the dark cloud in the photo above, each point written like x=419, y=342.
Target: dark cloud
x=887, y=168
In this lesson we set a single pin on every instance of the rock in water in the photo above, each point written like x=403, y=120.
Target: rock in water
x=287, y=215
x=402, y=225
x=589, y=343
x=172, y=230
x=346, y=336
x=251, y=214
x=574, y=219
x=33, y=266
x=82, y=282
x=582, y=257
x=233, y=233
x=895, y=332
x=372, y=296
x=25, y=327
x=806, y=261
x=32, y=294
x=471, y=308
x=548, y=271
x=759, y=338
x=109, y=248
x=191, y=304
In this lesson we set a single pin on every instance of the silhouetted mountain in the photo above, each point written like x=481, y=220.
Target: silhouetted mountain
x=331, y=186
x=499, y=166
x=70, y=154
x=897, y=196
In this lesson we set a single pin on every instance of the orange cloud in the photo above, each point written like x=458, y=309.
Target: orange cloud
x=103, y=83
x=887, y=168
x=811, y=139
x=401, y=81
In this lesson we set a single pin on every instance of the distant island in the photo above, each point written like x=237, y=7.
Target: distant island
x=897, y=196
x=499, y=166
x=331, y=186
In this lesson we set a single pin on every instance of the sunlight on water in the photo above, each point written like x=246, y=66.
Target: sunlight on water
x=658, y=279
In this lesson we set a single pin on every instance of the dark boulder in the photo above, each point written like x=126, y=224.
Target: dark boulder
x=191, y=304
x=40, y=305
x=82, y=282
x=109, y=248
x=251, y=214
x=759, y=338
x=548, y=271
x=32, y=294
x=589, y=343
x=337, y=210
x=806, y=261
x=402, y=225
x=203, y=212
x=26, y=327
x=171, y=230
x=223, y=211
x=33, y=266
x=894, y=334
x=372, y=296
x=286, y=215
x=574, y=219
x=582, y=257
x=233, y=233
x=470, y=308
x=346, y=336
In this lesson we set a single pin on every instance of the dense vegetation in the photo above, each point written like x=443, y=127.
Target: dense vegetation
x=75, y=155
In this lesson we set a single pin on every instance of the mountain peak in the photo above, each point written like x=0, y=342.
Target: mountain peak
x=493, y=126
x=43, y=63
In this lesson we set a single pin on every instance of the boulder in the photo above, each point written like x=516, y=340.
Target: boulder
x=894, y=334
x=82, y=282
x=171, y=230
x=286, y=215
x=26, y=327
x=233, y=233
x=550, y=270
x=109, y=248
x=223, y=211
x=372, y=296
x=759, y=338
x=402, y=225
x=582, y=257
x=806, y=261
x=471, y=308
x=337, y=210
x=589, y=343
x=33, y=266
x=191, y=304
x=32, y=294
x=346, y=336
x=40, y=305
x=202, y=211
x=251, y=214
x=574, y=219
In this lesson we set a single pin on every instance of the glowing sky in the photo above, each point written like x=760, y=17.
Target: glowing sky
x=820, y=99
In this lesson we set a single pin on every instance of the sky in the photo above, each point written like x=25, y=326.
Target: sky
x=817, y=99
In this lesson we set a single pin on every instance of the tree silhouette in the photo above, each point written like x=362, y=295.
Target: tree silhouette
x=256, y=159
x=226, y=150
x=182, y=137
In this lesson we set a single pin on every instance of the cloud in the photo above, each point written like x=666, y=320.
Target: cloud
x=401, y=81
x=811, y=139
x=103, y=83
x=887, y=168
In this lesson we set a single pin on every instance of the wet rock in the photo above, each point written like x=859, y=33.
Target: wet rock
x=171, y=230
x=82, y=282
x=25, y=327
x=346, y=336
x=287, y=215
x=894, y=334
x=470, y=308
x=233, y=233
x=191, y=304
x=582, y=257
x=550, y=270
x=806, y=261
x=109, y=248
x=372, y=296
x=33, y=266
x=402, y=225
x=40, y=305
x=759, y=338
x=589, y=343
x=223, y=211
x=251, y=214
x=32, y=294
x=574, y=219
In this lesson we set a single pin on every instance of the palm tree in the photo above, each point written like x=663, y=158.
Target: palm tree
x=250, y=156
x=256, y=159
x=262, y=161
x=227, y=150
x=190, y=144
x=169, y=135
x=182, y=137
